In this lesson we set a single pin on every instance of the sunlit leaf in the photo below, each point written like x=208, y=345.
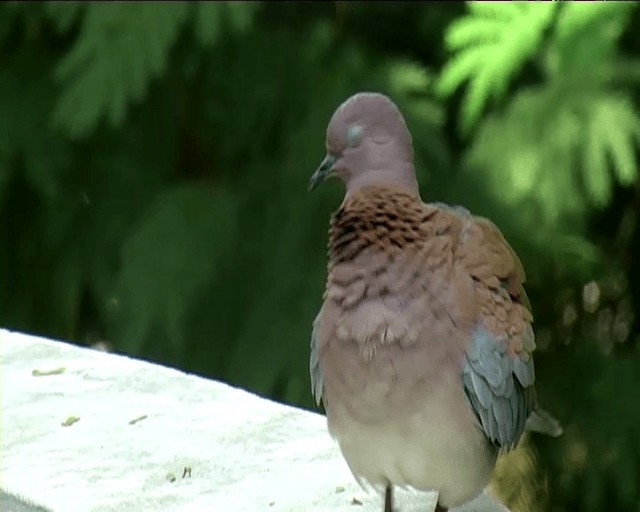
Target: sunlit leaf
x=611, y=138
x=585, y=37
x=492, y=42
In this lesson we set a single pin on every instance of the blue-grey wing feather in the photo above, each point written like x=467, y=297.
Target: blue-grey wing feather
x=314, y=367
x=499, y=388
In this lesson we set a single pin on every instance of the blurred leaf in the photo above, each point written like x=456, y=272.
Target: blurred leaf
x=168, y=257
x=9, y=12
x=212, y=17
x=241, y=14
x=64, y=14
x=553, y=143
x=411, y=85
x=492, y=43
x=599, y=477
x=411, y=88
x=5, y=175
x=407, y=77
x=208, y=22
x=612, y=130
x=25, y=100
x=121, y=48
x=586, y=36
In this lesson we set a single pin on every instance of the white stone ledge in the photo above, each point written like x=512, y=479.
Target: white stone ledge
x=245, y=453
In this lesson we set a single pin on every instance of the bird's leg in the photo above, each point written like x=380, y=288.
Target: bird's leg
x=440, y=509
x=388, y=499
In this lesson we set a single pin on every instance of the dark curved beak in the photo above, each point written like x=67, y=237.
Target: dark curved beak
x=323, y=172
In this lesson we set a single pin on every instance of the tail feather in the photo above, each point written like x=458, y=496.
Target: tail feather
x=542, y=422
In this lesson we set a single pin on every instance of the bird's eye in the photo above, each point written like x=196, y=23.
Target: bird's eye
x=354, y=136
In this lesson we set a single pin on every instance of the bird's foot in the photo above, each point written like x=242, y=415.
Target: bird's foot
x=440, y=509
x=388, y=499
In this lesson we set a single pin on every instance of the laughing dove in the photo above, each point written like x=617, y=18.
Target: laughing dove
x=422, y=349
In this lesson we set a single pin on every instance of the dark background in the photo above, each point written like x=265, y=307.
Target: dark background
x=154, y=159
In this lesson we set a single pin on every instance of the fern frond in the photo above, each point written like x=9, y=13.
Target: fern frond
x=576, y=17
x=613, y=135
x=573, y=146
x=621, y=113
x=595, y=170
x=458, y=70
x=492, y=43
x=585, y=38
x=471, y=31
x=121, y=48
x=497, y=10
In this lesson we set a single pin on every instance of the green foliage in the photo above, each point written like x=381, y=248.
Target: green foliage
x=492, y=43
x=586, y=37
x=593, y=135
x=25, y=103
x=120, y=49
x=612, y=130
x=558, y=147
x=154, y=159
x=212, y=17
x=158, y=278
x=64, y=14
x=597, y=462
x=9, y=13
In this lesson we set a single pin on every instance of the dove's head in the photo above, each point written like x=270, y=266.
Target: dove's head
x=368, y=143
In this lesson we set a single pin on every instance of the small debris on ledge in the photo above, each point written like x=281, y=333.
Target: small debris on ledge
x=70, y=421
x=46, y=373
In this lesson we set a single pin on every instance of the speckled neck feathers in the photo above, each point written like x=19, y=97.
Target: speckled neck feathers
x=379, y=217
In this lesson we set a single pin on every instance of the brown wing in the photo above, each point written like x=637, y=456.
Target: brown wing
x=498, y=373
